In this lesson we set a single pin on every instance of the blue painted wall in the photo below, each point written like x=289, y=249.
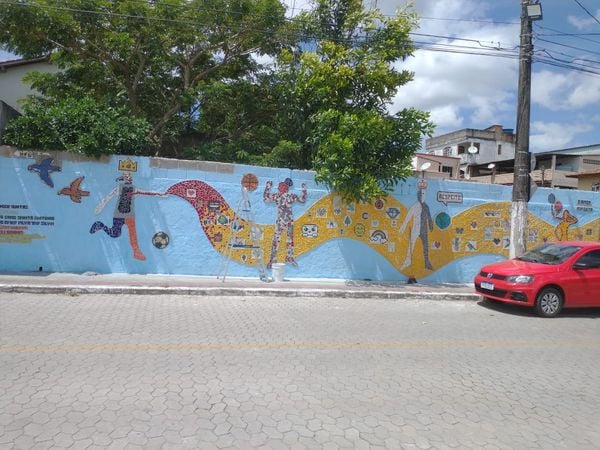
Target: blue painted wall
x=49, y=202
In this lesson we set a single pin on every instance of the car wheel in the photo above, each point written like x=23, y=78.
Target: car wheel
x=549, y=302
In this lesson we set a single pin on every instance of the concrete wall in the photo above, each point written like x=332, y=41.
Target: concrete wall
x=589, y=182
x=64, y=213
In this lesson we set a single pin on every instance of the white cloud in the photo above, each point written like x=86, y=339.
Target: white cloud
x=585, y=22
x=474, y=91
x=446, y=117
x=461, y=90
x=554, y=135
x=562, y=91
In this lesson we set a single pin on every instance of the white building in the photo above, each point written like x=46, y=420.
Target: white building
x=12, y=86
x=475, y=148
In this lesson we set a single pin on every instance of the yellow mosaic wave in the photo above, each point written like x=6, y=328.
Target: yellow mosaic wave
x=482, y=229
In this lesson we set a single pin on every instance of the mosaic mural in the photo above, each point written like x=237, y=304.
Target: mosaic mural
x=420, y=230
x=123, y=213
x=410, y=246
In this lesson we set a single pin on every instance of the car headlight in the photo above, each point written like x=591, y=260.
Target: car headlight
x=520, y=279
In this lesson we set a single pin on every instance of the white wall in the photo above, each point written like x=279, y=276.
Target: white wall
x=12, y=87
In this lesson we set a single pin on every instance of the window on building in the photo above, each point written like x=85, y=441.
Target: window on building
x=596, y=187
x=461, y=149
x=448, y=170
x=593, y=162
x=499, y=149
x=447, y=151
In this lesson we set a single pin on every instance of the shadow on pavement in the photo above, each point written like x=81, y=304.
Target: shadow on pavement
x=525, y=311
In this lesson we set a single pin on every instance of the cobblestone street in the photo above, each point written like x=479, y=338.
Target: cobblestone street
x=177, y=371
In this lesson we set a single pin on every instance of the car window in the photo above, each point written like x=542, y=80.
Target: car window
x=591, y=259
x=550, y=253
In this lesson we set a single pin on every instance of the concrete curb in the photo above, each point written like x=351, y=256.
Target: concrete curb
x=232, y=291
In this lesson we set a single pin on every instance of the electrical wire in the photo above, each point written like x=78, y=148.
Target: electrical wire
x=177, y=21
x=579, y=36
x=587, y=11
x=482, y=50
x=567, y=46
x=573, y=59
x=494, y=22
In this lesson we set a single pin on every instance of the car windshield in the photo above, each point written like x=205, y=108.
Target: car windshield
x=549, y=253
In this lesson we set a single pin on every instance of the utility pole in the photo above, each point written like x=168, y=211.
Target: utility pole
x=521, y=182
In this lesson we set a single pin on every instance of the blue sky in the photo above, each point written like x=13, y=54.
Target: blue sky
x=466, y=67
x=478, y=90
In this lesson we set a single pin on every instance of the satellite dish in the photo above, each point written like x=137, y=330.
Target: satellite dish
x=425, y=166
x=491, y=166
x=472, y=149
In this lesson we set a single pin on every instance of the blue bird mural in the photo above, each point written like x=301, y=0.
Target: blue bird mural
x=44, y=169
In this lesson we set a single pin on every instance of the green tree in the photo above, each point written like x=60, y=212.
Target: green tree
x=337, y=98
x=235, y=121
x=78, y=125
x=153, y=57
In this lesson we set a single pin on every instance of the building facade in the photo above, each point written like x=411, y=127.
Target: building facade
x=12, y=87
x=475, y=148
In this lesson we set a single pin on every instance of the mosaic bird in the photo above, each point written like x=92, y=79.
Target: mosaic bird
x=73, y=190
x=44, y=169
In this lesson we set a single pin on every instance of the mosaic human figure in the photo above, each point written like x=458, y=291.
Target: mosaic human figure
x=561, y=231
x=421, y=222
x=123, y=213
x=285, y=219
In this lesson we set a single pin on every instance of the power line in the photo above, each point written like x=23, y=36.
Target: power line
x=568, y=46
x=482, y=50
x=569, y=34
x=495, y=22
x=574, y=35
x=567, y=66
x=573, y=58
x=587, y=11
x=454, y=38
x=550, y=60
x=300, y=10
x=461, y=49
x=177, y=21
x=191, y=7
x=100, y=13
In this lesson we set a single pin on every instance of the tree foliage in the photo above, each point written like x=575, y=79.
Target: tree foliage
x=337, y=99
x=154, y=57
x=363, y=154
x=235, y=121
x=78, y=125
x=187, y=68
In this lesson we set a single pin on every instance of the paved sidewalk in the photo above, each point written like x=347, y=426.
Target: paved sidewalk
x=34, y=282
x=176, y=372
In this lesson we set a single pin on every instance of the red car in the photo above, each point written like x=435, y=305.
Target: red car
x=548, y=278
